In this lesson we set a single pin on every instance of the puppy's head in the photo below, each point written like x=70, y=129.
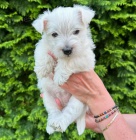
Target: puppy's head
x=65, y=30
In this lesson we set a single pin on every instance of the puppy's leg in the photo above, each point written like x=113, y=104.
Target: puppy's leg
x=44, y=63
x=69, y=114
x=62, y=72
x=65, y=68
x=45, y=67
x=52, y=110
x=45, y=85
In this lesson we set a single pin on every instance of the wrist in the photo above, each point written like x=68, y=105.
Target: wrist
x=100, y=103
x=109, y=122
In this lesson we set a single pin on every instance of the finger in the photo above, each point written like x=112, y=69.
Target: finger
x=89, y=112
x=65, y=86
x=90, y=122
x=56, y=100
x=59, y=104
x=52, y=55
x=41, y=95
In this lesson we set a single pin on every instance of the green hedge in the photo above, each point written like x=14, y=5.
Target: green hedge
x=22, y=115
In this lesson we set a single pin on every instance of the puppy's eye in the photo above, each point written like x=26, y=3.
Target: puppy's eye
x=54, y=34
x=76, y=32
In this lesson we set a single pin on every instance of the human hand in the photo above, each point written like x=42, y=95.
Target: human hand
x=84, y=85
x=89, y=88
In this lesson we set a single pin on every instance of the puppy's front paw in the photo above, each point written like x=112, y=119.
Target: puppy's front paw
x=59, y=79
x=49, y=129
x=42, y=71
x=58, y=124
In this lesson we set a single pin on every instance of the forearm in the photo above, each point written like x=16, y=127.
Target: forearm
x=131, y=120
x=100, y=103
x=119, y=130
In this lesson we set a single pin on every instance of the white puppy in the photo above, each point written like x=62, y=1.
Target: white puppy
x=66, y=34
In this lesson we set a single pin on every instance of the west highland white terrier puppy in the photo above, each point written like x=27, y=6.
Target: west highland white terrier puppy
x=66, y=34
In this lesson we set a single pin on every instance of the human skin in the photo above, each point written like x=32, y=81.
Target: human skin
x=88, y=88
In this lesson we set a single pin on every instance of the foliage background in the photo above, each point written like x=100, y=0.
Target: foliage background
x=22, y=115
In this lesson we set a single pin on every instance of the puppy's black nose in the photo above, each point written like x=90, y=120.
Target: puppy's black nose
x=67, y=51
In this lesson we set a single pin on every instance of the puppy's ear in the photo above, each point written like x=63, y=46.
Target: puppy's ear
x=40, y=23
x=86, y=14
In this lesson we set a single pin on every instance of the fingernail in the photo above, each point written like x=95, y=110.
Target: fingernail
x=57, y=101
x=41, y=95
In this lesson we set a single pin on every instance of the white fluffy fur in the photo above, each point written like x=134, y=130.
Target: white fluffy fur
x=63, y=21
